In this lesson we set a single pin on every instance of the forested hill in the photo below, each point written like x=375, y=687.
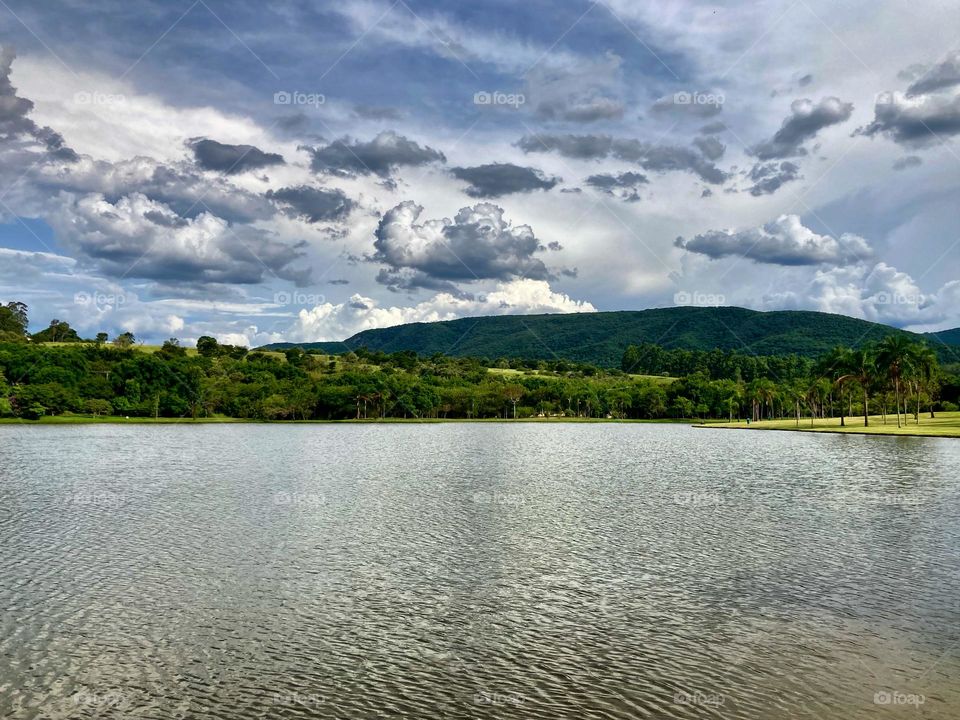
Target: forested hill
x=601, y=338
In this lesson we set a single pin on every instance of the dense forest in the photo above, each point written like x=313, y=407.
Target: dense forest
x=55, y=372
x=601, y=338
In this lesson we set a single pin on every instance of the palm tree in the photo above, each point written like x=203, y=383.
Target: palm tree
x=762, y=391
x=925, y=364
x=862, y=368
x=835, y=366
x=894, y=358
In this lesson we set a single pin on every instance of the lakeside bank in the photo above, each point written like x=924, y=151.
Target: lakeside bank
x=945, y=424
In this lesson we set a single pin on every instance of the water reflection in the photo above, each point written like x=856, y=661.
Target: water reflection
x=490, y=570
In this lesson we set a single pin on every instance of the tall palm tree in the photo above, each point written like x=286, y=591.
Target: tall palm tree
x=926, y=365
x=862, y=368
x=835, y=366
x=894, y=357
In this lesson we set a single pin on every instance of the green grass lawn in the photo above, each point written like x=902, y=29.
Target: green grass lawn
x=945, y=424
x=657, y=379
x=511, y=372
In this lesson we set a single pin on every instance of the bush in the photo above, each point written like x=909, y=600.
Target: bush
x=948, y=406
x=33, y=412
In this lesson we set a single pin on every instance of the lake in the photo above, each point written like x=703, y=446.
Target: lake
x=476, y=570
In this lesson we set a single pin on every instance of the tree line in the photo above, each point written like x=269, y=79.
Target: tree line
x=105, y=376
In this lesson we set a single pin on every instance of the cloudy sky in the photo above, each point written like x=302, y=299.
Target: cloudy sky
x=305, y=170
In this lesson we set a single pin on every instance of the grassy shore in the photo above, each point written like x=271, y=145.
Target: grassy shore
x=945, y=424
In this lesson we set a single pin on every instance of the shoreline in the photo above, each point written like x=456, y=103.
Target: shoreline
x=944, y=425
x=116, y=420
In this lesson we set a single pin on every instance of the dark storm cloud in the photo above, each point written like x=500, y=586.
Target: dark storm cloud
x=915, y=122
x=293, y=124
x=806, y=119
x=624, y=186
x=139, y=238
x=494, y=180
x=768, y=177
x=582, y=147
x=713, y=128
x=313, y=204
x=657, y=158
x=479, y=243
x=907, y=161
x=181, y=187
x=380, y=156
x=582, y=110
x=784, y=241
x=944, y=74
x=15, y=127
x=230, y=159
x=410, y=279
x=710, y=147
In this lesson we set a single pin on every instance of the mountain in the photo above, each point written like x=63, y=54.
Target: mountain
x=601, y=338
x=946, y=337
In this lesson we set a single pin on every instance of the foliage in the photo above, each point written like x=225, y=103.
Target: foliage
x=600, y=339
x=228, y=381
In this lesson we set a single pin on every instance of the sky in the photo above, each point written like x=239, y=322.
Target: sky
x=302, y=171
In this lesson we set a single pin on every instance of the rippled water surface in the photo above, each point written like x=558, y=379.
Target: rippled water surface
x=476, y=570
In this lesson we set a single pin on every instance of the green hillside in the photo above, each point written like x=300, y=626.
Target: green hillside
x=601, y=338
x=946, y=337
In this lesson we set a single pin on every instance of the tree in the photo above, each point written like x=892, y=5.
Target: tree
x=101, y=339
x=513, y=394
x=98, y=406
x=926, y=367
x=207, y=346
x=836, y=366
x=58, y=332
x=13, y=320
x=862, y=368
x=124, y=340
x=894, y=356
x=171, y=348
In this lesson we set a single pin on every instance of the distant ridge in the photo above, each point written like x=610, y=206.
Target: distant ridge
x=600, y=338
